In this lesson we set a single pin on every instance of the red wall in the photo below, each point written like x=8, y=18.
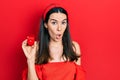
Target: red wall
x=95, y=25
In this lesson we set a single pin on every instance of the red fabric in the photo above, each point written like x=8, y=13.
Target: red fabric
x=80, y=73
x=58, y=71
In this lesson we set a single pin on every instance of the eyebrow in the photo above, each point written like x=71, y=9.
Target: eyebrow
x=56, y=20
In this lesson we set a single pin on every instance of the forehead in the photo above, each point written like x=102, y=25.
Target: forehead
x=58, y=16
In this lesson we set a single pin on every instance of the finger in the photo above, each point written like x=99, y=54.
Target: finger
x=34, y=49
x=25, y=47
x=24, y=43
x=36, y=45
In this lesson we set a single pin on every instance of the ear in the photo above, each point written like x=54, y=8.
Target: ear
x=45, y=25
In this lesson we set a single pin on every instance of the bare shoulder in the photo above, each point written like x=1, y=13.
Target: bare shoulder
x=76, y=48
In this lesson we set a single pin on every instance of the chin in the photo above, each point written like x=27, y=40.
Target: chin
x=56, y=40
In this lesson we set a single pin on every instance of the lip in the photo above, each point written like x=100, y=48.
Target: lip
x=58, y=36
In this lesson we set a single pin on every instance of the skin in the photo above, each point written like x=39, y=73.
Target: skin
x=56, y=26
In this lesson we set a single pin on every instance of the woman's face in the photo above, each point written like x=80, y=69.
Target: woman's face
x=56, y=26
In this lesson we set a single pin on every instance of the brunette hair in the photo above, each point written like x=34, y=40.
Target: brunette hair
x=43, y=55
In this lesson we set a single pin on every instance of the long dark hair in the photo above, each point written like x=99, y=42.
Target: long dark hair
x=43, y=56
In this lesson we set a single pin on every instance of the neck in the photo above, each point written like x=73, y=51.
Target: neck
x=56, y=51
x=55, y=44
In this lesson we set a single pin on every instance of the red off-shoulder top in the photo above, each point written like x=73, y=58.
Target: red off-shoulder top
x=58, y=71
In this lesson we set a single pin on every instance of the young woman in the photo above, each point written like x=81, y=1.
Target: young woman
x=54, y=56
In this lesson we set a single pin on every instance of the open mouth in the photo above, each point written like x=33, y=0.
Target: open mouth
x=58, y=36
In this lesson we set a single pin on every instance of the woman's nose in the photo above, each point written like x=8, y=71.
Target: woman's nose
x=59, y=27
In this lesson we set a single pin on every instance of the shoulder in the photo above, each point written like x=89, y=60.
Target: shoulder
x=76, y=48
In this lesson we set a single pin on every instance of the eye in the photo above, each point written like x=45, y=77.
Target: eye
x=64, y=22
x=53, y=23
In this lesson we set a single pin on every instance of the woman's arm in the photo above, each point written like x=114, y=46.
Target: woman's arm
x=30, y=52
x=76, y=48
x=31, y=71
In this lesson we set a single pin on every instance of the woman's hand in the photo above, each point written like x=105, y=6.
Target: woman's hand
x=29, y=51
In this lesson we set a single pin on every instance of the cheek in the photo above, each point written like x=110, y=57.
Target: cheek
x=50, y=28
x=64, y=28
x=51, y=31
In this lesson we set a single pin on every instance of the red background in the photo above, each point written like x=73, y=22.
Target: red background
x=95, y=25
